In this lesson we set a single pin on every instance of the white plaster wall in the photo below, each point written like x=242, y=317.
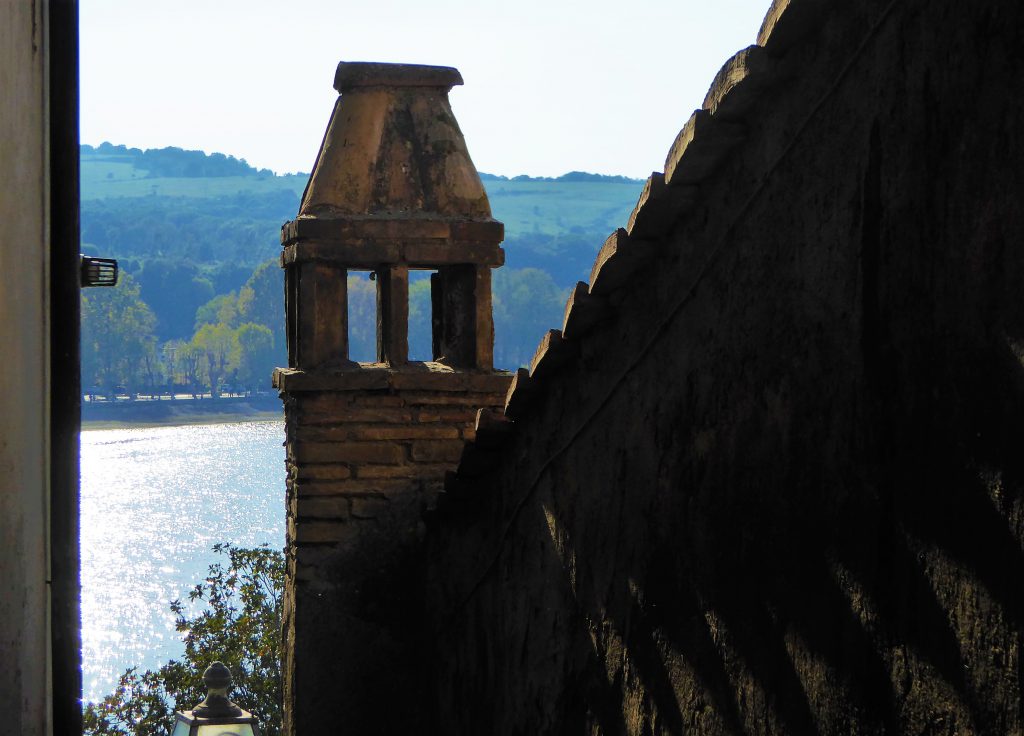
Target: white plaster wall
x=24, y=620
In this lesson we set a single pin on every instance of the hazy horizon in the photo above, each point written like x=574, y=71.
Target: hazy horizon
x=550, y=87
x=526, y=174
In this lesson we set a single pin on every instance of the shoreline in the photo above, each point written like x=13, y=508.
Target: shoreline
x=183, y=419
x=228, y=410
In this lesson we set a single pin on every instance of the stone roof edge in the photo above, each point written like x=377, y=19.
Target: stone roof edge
x=699, y=150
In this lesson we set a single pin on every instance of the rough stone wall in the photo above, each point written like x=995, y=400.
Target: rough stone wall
x=367, y=452
x=769, y=478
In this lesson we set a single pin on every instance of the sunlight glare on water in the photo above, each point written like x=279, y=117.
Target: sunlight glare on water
x=154, y=501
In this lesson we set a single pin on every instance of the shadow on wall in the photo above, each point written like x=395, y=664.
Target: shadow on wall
x=797, y=505
x=889, y=605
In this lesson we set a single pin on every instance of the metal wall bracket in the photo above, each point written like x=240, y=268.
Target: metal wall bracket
x=98, y=271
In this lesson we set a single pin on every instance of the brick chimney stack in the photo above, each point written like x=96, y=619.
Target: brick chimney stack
x=368, y=444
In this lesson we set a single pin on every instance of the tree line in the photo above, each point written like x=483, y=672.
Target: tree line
x=176, y=162
x=236, y=341
x=162, y=332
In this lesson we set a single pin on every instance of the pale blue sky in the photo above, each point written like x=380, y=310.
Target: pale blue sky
x=551, y=86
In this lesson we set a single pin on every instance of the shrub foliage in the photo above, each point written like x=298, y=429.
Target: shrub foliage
x=239, y=624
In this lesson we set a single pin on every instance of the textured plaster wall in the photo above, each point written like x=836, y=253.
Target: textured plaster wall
x=780, y=489
x=23, y=443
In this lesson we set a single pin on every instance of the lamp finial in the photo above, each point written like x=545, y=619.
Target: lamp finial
x=218, y=683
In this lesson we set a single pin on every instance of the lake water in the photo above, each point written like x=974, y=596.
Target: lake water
x=154, y=501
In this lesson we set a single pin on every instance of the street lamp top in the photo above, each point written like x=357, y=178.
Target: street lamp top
x=216, y=714
x=218, y=683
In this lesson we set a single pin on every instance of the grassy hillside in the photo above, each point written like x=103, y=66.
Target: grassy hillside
x=119, y=172
x=531, y=208
x=526, y=205
x=538, y=207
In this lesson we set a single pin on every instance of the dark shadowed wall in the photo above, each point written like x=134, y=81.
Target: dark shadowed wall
x=778, y=488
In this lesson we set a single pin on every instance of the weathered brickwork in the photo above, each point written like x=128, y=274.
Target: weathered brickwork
x=365, y=468
x=369, y=445
x=350, y=451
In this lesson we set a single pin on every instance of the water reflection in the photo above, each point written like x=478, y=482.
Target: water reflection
x=154, y=501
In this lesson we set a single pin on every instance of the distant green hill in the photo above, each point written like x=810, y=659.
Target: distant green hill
x=211, y=208
x=203, y=223
x=110, y=171
x=570, y=204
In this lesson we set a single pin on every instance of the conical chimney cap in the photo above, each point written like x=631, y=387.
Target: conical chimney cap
x=393, y=149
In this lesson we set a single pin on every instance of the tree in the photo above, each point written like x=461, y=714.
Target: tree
x=526, y=303
x=255, y=357
x=117, y=333
x=216, y=345
x=175, y=290
x=222, y=308
x=362, y=318
x=153, y=367
x=240, y=625
x=182, y=360
x=261, y=299
x=420, y=310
